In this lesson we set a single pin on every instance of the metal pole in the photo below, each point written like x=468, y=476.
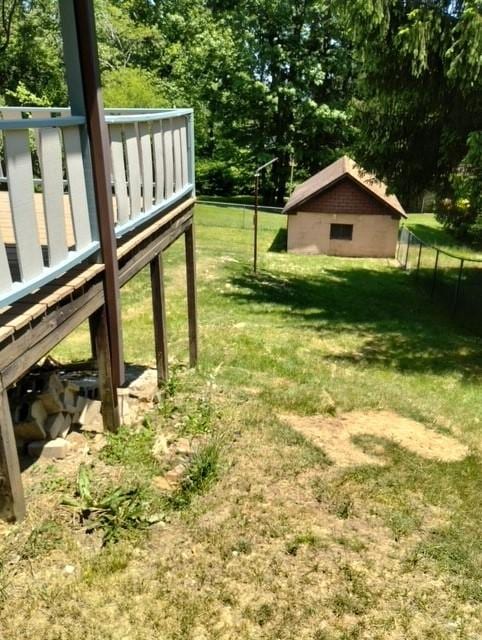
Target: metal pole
x=434, y=273
x=419, y=258
x=255, y=222
x=255, y=217
x=408, y=249
x=457, y=289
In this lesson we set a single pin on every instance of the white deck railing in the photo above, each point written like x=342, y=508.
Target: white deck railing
x=48, y=220
x=152, y=162
x=47, y=224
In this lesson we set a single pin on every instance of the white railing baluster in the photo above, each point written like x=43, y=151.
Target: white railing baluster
x=133, y=169
x=77, y=189
x=119, y=169
x=146, y=158
x=50, y=156
x=158, y=159
x=22, y=206
x=184, y=153
x=177, y=154
x=5, y=275
x=168, y=159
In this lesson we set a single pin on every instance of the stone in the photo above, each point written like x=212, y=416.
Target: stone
x=127, y=409
x=51, y=402
x=182, y=446
x=57, y=425
x=160, y=447
x=50, y=450
x=30, y=418
x=91, y=417
x=79, y=407
x=175, y=475
x=75, y=438
x=162, y=484
x=145, y=386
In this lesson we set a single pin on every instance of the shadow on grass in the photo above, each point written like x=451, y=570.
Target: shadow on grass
x=400, y=328
x=280, y=242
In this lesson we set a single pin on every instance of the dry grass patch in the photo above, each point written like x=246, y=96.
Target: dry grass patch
x=337, y=437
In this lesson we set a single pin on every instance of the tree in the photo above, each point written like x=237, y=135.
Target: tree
x=289, y=88
x=418, y=93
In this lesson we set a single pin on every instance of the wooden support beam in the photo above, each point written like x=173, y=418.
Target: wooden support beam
x=12, y=501
x=22, y=354
x=83, y=76
x=92, y=338
x=108, y=393
x=159, y=317
x=191, y=295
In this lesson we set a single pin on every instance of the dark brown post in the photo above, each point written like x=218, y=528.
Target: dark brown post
x=159, y=317
x=12, y=501
x=191, y=295
x=83, y=76
x=108, y=393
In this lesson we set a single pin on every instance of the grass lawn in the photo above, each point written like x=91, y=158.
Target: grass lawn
x=277, y=535
x=426, y=227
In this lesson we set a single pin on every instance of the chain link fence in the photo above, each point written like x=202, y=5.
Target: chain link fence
x=238, y=216
x=454, y=281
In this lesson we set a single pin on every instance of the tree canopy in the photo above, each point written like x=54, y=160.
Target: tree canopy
x=394, y=83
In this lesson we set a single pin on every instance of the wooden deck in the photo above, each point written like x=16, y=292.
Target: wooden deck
x=6, y=221
x=134, y=252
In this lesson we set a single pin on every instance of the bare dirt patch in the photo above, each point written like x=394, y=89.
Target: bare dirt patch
x=335, y=435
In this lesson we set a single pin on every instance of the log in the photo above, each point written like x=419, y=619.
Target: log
x=30, y=419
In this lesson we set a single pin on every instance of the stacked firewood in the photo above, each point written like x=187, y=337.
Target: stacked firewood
x=51, y=405
x=45, y=409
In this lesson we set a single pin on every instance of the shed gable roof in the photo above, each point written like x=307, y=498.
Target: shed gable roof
x=330, y=175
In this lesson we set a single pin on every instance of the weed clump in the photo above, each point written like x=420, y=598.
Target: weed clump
x=201, y=472
x=115, y=511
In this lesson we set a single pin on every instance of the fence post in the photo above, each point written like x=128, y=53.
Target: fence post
x=408, y=249
x=434, y=279
x=457, y=288
x=419, y=258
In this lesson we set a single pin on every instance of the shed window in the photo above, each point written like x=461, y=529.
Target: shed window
x=341, y=231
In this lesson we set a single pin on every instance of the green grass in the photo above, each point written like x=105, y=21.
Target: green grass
x=272, y=539
x=426, y=227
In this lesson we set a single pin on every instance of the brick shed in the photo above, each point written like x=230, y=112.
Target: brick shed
x=343, y=211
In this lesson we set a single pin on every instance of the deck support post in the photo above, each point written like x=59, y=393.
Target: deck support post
x=83, y=78
x=191, y=294
x=12, y=501
x=159, y=317
x=108, y=393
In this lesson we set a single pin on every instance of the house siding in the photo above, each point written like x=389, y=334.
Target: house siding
x=374, y=235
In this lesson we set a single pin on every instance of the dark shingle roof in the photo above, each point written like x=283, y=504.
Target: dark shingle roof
x=334, y=172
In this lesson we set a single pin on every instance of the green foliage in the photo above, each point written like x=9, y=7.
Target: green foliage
x=198, y=419
x=462, y=213
x=117, y=511
x=43, y=539
x=201, y=472
x=418, y=94
x=133, y=449
x=132, y=87
x=304, y=539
